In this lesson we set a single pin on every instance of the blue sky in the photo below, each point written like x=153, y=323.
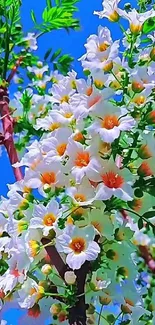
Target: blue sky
x=72, y=44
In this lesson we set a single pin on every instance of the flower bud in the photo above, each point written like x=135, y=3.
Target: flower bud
x=135, y=29
x=70, y=277
x=152, y=54
x=125, y=309
x=46, y=269
x=114, y=16
x=144, y=170
x=144, y=152
x=34, y=311
x=104, y=300
x=55, y=309
x=150, y=117
x=108, y=66
x=62, y=316
x=137, y=87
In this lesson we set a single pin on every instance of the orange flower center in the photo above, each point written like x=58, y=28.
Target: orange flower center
x=80, y=197
x=103, y=47
x=78, y=137
x=89, y=91
x=68, y=114
x=109, y=122
x=112, y=180
x=78, y=245
x=54, y=126
x=49, y=219
x=48, y=178
x=65, y=99
x=61, y=148
x=32, y=291
x=82, y=159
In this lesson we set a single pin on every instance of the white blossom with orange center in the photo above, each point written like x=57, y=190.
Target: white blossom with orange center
x=51, y=122
x=38, y=71
x=110, y=122
x=28, y=294
x=100, y=50
x=62, y=92
x=110, y=10
x=82, y=194
x=81, y=160
x=56, y=146
x=136, y=19
x=79, y=245
x=46, y=174
x=45, y=218
x=112, y=181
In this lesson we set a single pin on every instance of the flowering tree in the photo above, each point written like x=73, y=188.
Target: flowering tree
x=77, y=228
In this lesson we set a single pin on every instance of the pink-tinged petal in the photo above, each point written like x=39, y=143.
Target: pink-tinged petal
x=103, y=192
x=75, y=260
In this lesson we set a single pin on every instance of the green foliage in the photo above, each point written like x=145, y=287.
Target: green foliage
x=149, y=25
x=57, y=17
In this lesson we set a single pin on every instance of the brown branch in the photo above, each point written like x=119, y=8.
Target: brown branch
x=146, y=255
x=7, y=122
x=55, y=258
x=14, y=70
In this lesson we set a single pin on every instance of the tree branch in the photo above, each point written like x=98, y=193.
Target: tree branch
x=7, y=122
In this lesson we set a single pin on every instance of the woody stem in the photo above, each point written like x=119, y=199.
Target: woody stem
x=7, y=122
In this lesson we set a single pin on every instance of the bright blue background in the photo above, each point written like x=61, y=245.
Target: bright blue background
x=73, y=44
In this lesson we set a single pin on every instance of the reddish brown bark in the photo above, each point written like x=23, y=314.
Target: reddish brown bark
x=8, y=141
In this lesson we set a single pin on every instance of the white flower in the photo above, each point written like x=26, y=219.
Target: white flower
x=81, y=160
x=29, y=294
x=62, y=92
x=45, y=217
x=109, y=122
x=31, y=41
x=38, y=71
x=45, y=174
x=50, y=122
x=79, y=245
x=113, y=182
x=110, y=10
x=82, y=194
x=136, y=19
x=10, y=279
x=56, y=146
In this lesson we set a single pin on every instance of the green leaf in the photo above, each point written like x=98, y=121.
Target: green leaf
x=149, y=214
x=149, y=25
x=49, y=4
x=55, y=55
x=3, y=29
x=33, y=16
x=47, y=54
x=140, y=223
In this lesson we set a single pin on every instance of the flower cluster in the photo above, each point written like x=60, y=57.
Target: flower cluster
x=88, y=189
